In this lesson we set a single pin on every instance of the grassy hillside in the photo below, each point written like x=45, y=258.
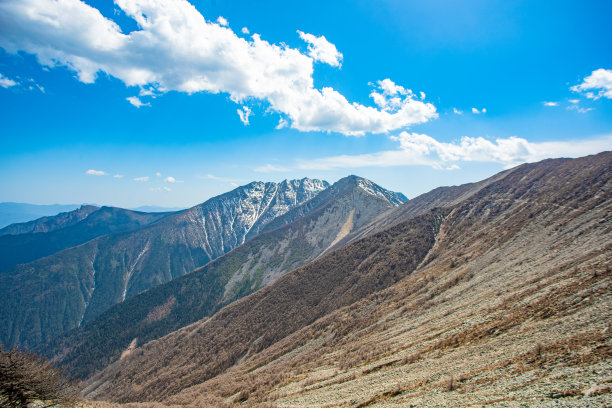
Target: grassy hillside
x=252, y=324
x=510, y=306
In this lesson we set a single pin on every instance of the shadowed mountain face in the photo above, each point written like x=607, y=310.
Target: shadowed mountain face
x=503, y=296
x=49, y=235
x=49, y=296
x=319, y=224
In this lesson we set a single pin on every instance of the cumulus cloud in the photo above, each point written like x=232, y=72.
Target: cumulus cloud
x=321, y=50
x=600, y=80
x=93, y=172
x=244, y=114
x=550, y=103
x=457, y=111
x=6, y=82
x=176, y=49
x=143, y=179
x=476, y=111
x=420, y=149
x=222, y=21
x=134, y=100
x=245, y=30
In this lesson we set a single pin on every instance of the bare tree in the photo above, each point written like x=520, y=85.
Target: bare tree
x=26, y=377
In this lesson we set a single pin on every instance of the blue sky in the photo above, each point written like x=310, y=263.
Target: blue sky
x=136, y=102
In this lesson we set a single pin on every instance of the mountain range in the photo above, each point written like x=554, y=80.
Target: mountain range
x=48, y=296
x=23, y=243
x=294, y=239
x=305, y=294
x=20, y=213
x=501, y=297
x=11, y=213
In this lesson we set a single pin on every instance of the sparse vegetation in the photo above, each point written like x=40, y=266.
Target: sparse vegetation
x=26, y=378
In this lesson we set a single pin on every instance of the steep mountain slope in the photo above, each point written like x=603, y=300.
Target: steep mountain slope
x=49, y=296
x=54, y=234
x=258, y=321
x=50, y=223
x=346, y=205
x=511, y=306
x=11, y=213
x=436, y=198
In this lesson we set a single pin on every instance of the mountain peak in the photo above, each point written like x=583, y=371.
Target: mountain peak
x=352, y=181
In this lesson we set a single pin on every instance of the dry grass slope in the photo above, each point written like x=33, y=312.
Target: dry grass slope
x=511, y=306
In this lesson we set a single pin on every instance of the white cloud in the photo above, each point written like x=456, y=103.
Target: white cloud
x=574, y=101
x=6, y=82
x=270, y=168
x=420, y=149
x=36, y=86
x=457, y=111
x=282, y=123
x=93, y=172
x=134, y=100
x=550, y=103
x=118, y=176
x=579, y=109
x=172, y=180
x=143, y=179
x=245, y=30
x=600, y=79
x=222, y=21
x=244, y=114
x=475, y=111
x=321, y=50
x=176, y=49
x=147, y=92
x=158, y=174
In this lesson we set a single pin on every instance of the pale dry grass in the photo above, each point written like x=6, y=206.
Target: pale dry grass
x=511, y=307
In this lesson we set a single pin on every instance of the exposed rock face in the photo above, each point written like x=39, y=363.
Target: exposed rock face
x=49, y=296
